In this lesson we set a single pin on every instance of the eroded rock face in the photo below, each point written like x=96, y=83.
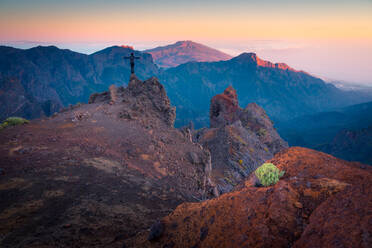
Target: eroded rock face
x=321, y=201
x=96, y=174
x=224, y=108
x=239, y=139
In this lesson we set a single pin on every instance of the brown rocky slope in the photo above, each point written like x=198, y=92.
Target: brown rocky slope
x=321, y=201
x=95, y=174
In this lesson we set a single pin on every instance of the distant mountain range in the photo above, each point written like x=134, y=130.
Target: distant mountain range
x=344, y=132
x=320, y=128
x=41, y=80
x=352, y=145
x=185, y=51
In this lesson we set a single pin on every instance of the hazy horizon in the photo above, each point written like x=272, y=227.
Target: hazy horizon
x=330, y=39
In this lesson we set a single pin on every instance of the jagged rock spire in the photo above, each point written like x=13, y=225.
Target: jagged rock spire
x=223, y=110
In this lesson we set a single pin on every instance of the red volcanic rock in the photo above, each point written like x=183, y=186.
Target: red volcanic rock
x=224, y=108
x=321, y=201
x=127, y=46
x=254, y=59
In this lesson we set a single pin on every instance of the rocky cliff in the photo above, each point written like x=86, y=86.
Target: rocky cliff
x=95, y=174
x=239, y=139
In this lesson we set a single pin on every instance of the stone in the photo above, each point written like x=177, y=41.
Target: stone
x=193, y=158
x=223, y=110
x=156, y=231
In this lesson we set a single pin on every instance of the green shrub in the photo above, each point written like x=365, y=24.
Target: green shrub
x=13, y=121
x=268, y=174
x=262, y=132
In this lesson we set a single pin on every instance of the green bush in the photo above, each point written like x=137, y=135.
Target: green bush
x=13, y=121
x=262, y=132
x=268, y=174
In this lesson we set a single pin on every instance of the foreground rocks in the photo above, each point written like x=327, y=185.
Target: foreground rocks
x=239, y=139
x=321, y=201
x=96, y=174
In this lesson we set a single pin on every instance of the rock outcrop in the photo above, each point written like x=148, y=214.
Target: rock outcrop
x=146, y=101
x=224, y=108
x=95, y=174
x=239, y=139
x=321, y=201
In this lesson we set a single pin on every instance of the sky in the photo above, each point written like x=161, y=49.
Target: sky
x=328, y=38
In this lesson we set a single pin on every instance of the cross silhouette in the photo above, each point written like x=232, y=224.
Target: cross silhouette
x=132, y=58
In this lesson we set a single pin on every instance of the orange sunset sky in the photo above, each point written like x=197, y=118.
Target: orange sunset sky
x=331, y=39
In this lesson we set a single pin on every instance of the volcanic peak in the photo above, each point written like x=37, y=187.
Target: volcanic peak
x=252, y=58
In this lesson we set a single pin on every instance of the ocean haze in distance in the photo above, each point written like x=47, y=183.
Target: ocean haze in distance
x=331, y=39
x=346, y=61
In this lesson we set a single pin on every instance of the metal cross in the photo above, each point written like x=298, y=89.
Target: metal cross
x=132, y=58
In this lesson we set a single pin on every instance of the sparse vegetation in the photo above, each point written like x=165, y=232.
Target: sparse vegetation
x=262, y=132
x=268, y=174
x=13, y=121
x=229, y=179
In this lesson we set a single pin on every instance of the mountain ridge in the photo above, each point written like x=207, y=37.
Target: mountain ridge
x=185, y=51
x=46, y=75
x=42, y=80
x=249, y=56
x=282, y=91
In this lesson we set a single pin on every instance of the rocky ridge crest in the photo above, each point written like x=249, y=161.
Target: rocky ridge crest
x=100, y=171
x=146, y=100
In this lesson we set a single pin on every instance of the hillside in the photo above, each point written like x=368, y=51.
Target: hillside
x=341, y=132
x=321, y=201
x=39, y=81
x=352, y=145
x=185, y=51
x=283, y=92
x=98, y=173
x=116, y=173
x=103, y=171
